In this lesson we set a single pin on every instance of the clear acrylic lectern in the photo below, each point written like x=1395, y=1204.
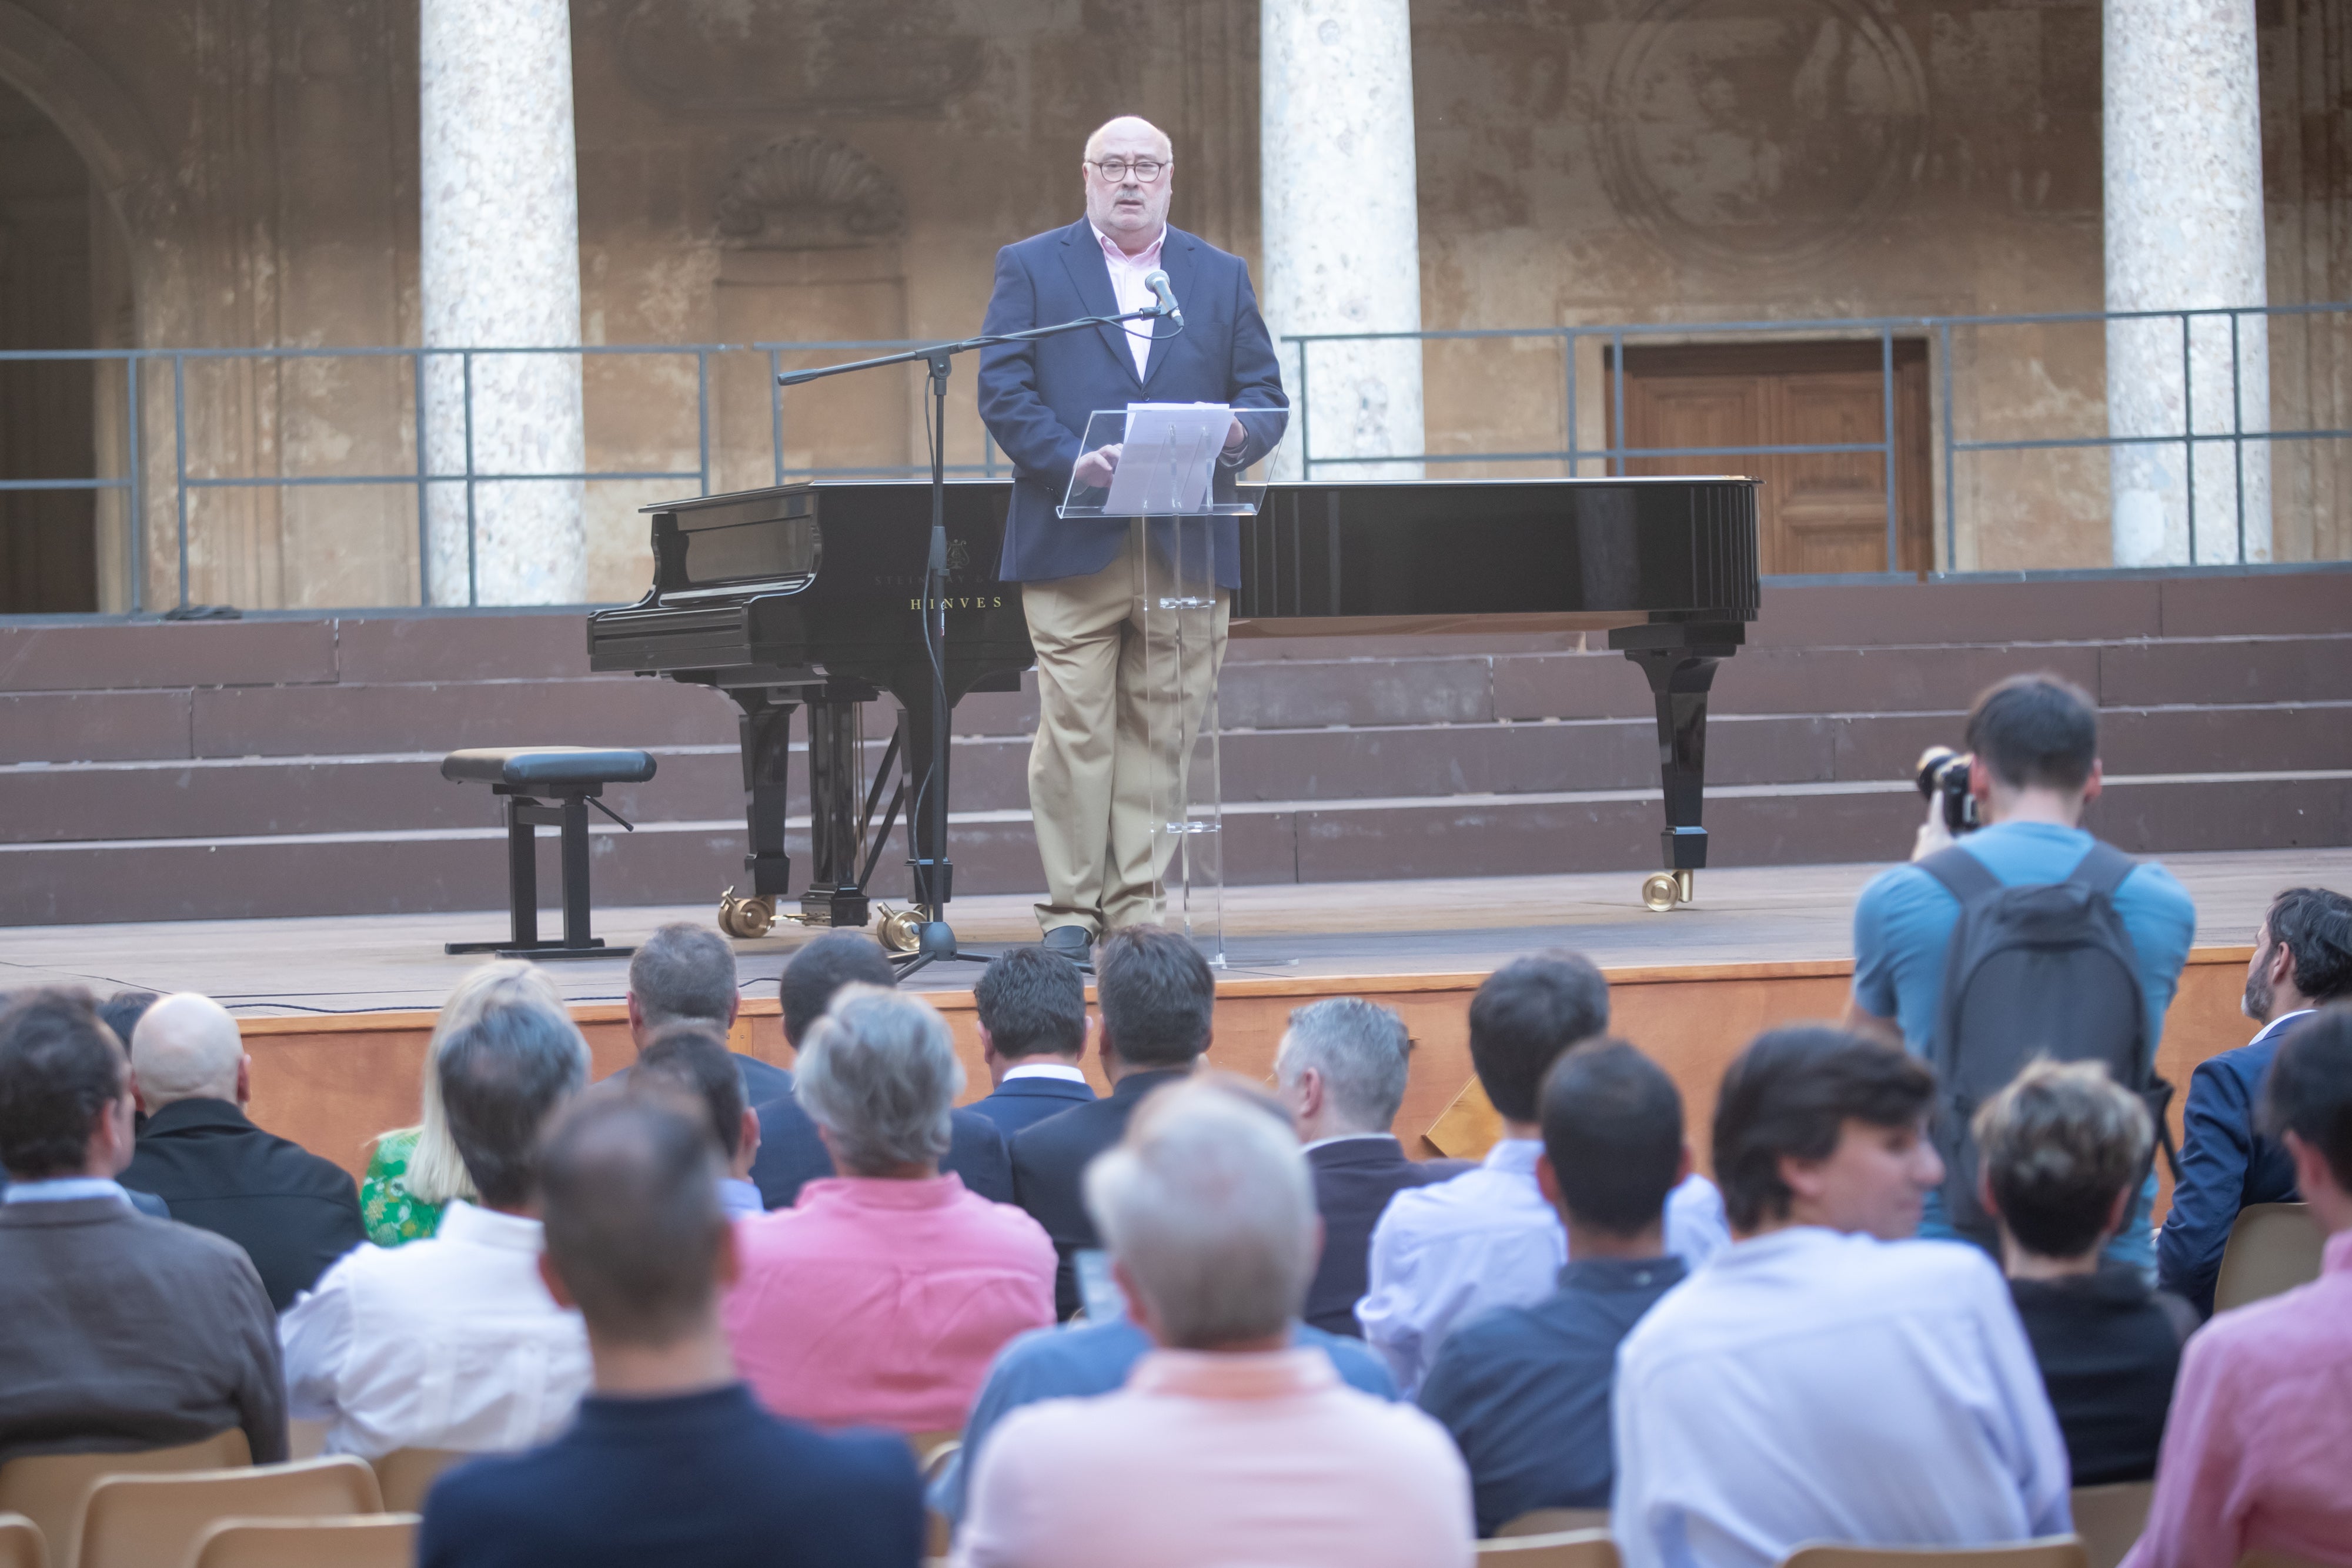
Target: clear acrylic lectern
x=1167, y=467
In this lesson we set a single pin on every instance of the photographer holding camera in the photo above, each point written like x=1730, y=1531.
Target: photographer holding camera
x=2060, y=945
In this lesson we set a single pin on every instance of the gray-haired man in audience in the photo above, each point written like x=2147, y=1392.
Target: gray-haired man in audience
x=453, y=1342
x=684, y=973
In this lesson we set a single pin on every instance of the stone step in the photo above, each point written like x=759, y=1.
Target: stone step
x=994, y=851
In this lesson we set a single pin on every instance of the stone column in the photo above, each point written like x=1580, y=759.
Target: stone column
x=2184, y=230
x=1342, y=228
x=501, y=268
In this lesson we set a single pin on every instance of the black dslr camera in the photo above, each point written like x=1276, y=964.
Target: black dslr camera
x=1944, y=772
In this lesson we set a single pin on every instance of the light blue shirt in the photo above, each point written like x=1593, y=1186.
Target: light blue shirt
x=739, y=1199
x=1487, y=1238
x=66, y=1190
x=1808, y=1385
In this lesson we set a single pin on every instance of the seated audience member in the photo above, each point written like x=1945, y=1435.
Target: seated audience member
x=1443, y=1253
x=416, y=1172
x=2255, y=1455
x=1341, y=1070
x=1230, y=1442
x=1525, y=1390
x=2303, y=960
x=121, y=1013
x=884, y=1293
x=693, y=1059
x=1032, y=1029
x=1823, y=1379
x=684, y=973
x=2063, y=1149
x=670, y=1460
x=117, y=1331
x=791, y=1153
x=1157, y=1002
x=453, y=1342
x=291, y=1211
x=2035, y=741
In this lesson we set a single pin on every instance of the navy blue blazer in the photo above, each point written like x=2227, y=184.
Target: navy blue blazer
x=791, y=1155
x=1020, y=1102
x=2226, y=1164
x=1050, y=1159
x=1354, y=1179
x=1035, y=397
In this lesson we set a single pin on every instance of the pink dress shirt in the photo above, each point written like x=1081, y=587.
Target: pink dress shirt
x=1210, y=1458
x=881, y=1302
x=1127, y=275
x=2257, y=1454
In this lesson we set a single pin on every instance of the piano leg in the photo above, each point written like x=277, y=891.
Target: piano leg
x=1680, y=663
x=767, y=735
x=835, y=896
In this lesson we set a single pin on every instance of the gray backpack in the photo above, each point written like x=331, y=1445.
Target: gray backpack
x=2034, y=969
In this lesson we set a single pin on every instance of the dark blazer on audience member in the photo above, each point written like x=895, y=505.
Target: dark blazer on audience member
x=1022, y=1103
x=791, y=1155
x=1354, y=1179
x=124, y=1332
x=291, y=1211
x=2226, y=1165
x=2109, y=1349
x=1049, y=1158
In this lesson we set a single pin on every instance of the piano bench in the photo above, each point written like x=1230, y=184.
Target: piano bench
x=546, y=786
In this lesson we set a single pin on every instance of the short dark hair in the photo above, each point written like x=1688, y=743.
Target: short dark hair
x=693, y=1059
x=1526, y=1013
x=2314, y=923
x=1032, y=1003
x=1156, y=995
x=501, y=1076
x=122, y=1011
x=2309, y=1092
x=60, y=1067
x=835, y=959
x=684, y=971
x=1613, y=1128
x=1789, y=1094
x=634, y=1226
x=2036, y=731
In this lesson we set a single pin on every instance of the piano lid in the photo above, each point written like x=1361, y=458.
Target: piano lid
x=716, y=546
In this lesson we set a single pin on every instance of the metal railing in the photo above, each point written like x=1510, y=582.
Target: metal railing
x=1614, y=453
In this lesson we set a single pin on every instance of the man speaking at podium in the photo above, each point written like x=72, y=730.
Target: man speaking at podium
x=1090, y=784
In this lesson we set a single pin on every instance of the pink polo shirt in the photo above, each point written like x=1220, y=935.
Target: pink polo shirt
x=1212, y=1458
x=2257, y=1454
x=876, y=1302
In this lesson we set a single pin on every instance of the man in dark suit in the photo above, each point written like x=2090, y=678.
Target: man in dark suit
x=1099, y=697
x=1033, y=1030
x=1341, y=1068
x=684, y=973
x=1156, y=998
x=122, y=1331
x=790, y=1155
x=292, y=1212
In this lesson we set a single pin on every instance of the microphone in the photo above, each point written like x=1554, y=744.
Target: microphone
x=1157, y=281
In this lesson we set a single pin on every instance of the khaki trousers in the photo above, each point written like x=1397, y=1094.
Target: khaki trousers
x=1107, y=733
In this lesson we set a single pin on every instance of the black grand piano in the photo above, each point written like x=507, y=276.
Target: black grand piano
x=807, y=595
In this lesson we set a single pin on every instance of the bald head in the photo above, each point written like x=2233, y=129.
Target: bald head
x=187, y=1047
x=1134, y=136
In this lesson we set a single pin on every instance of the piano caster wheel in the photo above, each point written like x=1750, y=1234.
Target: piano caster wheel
x=1664, y=890
x=901, y=930
x=754, y=916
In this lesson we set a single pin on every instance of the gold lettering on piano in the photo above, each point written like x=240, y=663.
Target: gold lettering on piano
x=969, y=602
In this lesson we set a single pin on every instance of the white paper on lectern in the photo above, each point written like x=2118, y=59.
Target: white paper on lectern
x=1167, y=458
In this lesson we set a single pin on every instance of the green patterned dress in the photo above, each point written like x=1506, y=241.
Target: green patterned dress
x=392, y=1214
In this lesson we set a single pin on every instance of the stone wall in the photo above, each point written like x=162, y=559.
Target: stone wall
x=808, y=169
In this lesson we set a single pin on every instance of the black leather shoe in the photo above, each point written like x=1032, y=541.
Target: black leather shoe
x=1070, y=941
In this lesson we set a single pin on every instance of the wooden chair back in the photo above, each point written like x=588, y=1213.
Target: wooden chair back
x=353, y=1541
x=2108, y=1519
x=21, y=1545
x=405, y=1475
x=1558, y=1549
x=2272, y=1248
x=1554, y=1522
x=53, y=1489
x=143, y=1522
x=2050, y=1551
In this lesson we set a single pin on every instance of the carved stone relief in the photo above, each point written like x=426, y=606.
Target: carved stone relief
x=809, y=193
x=713, y=57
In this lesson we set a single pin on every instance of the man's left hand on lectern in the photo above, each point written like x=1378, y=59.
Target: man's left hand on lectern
x=1095, y=469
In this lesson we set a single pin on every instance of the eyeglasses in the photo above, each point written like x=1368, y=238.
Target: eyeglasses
x=1146, y=170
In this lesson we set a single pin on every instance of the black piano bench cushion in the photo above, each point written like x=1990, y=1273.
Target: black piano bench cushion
x=548, y=767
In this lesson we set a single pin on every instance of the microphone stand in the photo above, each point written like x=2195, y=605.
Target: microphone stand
x=934, y=873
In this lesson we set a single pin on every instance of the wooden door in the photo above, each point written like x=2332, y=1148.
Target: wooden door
x=1817, y=512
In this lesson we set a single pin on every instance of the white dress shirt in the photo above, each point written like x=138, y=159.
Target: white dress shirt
x=448, y=1342
x=1068, y=1074
x=1127, y=286
x=1808, y=1385
x=1486, y=1238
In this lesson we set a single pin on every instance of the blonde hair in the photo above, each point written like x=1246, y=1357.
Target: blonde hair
x=436, y=1173
x=2058, y=1144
